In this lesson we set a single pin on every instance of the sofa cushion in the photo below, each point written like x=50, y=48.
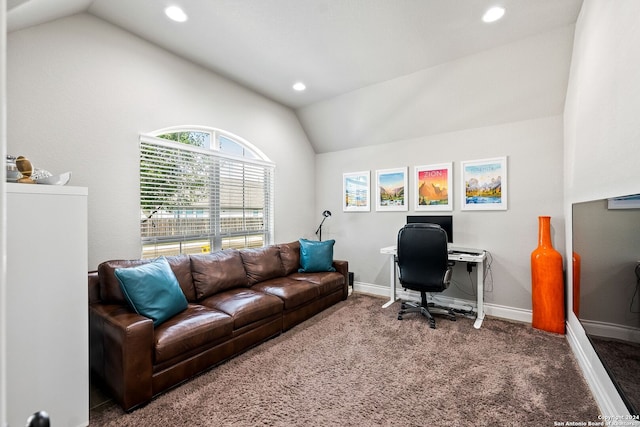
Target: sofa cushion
x=327, y=282
x=217, y=271
x=181, y=266
x=152, y=290
x=262, y=263
x=245, y=305
x=316, y=256
x=189, y=330
x=298, y=289
x=292, y=292
x=111, y=293
x=290, y=256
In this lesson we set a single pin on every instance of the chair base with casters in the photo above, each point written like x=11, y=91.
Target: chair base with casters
x=423, y=308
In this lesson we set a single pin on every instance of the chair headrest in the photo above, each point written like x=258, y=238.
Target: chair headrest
x=422, y=225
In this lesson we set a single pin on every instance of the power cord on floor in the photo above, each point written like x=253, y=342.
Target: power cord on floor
x=463, y=310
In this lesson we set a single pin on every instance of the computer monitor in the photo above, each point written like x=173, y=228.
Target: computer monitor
x=444, y=221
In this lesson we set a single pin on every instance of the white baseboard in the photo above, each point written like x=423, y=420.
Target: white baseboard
x=604, y=391
x=371, y=289
x=500, y=311
x=510, y=313
x=611, y=330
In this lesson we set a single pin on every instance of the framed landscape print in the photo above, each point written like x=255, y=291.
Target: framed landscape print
x=391, y=189
x=484, y=184
x=624, y=202
x=433, y=190
x=356, y=191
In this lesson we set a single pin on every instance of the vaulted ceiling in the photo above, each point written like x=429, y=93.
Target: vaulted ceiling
x=335, y=47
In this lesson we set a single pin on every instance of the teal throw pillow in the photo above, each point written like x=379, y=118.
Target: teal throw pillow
x=152, y=290
x=316, y=256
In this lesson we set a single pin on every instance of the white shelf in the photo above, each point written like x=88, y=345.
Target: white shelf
x=47, y=321
x=16, y=188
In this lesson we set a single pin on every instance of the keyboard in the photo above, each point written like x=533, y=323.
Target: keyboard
x=465, y=253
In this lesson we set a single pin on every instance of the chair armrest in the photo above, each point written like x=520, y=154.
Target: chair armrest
x=447, y=277
x=121, y=352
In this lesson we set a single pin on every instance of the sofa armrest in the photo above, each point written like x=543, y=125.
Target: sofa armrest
x=342, y=267
x=121, y=352
x=94, y=287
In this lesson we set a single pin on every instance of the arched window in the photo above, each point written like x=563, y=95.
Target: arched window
x=202, y=190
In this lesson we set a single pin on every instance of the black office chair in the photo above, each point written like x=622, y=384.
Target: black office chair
x=423, y=266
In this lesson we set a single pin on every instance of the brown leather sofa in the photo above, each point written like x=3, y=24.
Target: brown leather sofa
x=236, y=299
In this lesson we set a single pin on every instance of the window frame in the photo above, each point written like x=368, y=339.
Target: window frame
x=216, y=238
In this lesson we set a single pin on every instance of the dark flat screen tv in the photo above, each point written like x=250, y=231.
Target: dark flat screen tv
x=444, y=221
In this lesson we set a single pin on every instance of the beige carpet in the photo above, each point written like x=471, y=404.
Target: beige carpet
x=622, y=361
x=357, y=365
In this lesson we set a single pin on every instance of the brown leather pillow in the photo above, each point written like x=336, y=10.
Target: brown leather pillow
x=218, y=271
x=290, y=256
x=110, y=291
x=181, y=267
x=262, y=263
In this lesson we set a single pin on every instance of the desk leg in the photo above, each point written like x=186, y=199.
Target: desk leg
x=480, y=290
x=392, y=282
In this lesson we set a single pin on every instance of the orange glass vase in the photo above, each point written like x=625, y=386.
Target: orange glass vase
x=547, y=282
x=576, y=284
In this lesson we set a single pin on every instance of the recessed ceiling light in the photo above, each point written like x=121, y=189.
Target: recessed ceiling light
x=493, y=14
x=176, y=14
x=299, y=86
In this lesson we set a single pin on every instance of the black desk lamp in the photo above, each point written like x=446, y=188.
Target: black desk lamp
x=325, y=214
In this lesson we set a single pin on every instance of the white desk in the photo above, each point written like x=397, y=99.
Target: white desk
x=458, y=254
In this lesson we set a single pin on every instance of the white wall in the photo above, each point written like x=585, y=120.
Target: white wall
x=3, y=214
x=602, y=124
x=80, y=91
x=524, y=126
x=602, y=130
x=534, y=151
x=514, y=82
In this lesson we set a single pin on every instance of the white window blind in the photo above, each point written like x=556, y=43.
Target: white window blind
x=196, y=200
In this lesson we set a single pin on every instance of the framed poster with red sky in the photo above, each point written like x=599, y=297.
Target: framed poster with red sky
x=433, y=187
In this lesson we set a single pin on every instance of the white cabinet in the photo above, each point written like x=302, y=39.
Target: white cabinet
x=47, y=323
